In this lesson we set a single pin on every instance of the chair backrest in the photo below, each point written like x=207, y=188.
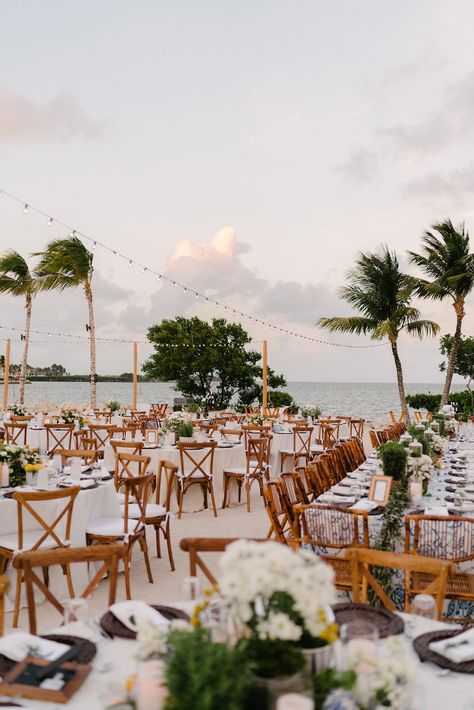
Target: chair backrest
x=159, y=409
x=327, y=434
x=329, y=526
x=58, y=436
x=196, y=545
x=253, y=431
x=293, y=490
x=356, y=427
x=196, y=458
x=88, y=456
x=101, y=433
x=256, y=457
x=302, y=440
x=21, y=419
x=362, y=561
x=58, y=532
x=4, y=584
x=442, y=537
x=103, y=416
x=137, y=493
x=130, y=466
x=125, y=447
x=374, y=439
x=273, y=412
x=16, y=433
x=28, y=562
x=275, y=505
x=234, y=435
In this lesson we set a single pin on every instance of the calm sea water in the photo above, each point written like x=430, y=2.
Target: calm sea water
x=369, y=400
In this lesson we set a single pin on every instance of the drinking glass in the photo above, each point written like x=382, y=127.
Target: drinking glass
x=424, y=605
x=358, y=630
x=191, y=587
x=76, y=609
x=217, y=621
x=358, y=641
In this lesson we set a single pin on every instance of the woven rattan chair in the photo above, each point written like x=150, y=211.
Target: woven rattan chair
x=330, y=528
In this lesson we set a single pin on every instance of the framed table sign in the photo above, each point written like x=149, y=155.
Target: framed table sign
x=151, y=437
x=380, y=487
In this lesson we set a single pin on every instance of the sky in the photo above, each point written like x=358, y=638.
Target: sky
x=249, y=150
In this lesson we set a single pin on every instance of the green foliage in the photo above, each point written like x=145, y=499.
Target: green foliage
x=422, y=400
x=309, y=411
x=464, y=363
x=394, y=459
x=194, y=408
x=272, y=658
x=327, y=681
x=113, y=405
x=419, y=435
x=65, y=263
x=204, y=359
x=184, y=429
x=203, y=675
x=253, y=394
x=278, y=398
x=17, y=410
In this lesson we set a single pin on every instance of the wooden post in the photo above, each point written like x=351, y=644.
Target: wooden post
x=135, y=364
x=264, y=383
x=6, y=376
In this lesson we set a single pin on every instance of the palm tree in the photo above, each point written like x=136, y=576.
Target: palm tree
x=382, y=294
x=16, y=279
x=66, y=263
x=449, y=266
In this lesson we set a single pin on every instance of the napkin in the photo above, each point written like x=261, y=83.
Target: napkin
x=457, y=649
x=341, y=490
x=436, y=510
x=132, y=613
x=364, y=504
x=19, y=644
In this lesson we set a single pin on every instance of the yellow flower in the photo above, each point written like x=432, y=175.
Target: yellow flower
x=85, y=421
x=330, y=633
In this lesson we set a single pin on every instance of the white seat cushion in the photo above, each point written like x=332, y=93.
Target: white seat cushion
x=152, y=511
x=317, y=448
x=10, y=542
x=121, y=498
x=196, y=474
x=239, y=470
x=107, y=526
x=289, y=452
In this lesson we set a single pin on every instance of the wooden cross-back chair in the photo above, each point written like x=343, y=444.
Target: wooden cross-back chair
x=301, y=448
x=195, y=546
x=16, y=433
x=58, y=436
x=4, y=584
x=159, y=409
x=317, y=481
x=88, y=456
x=196, y=468
x=233, y=435
x=129, y=466
x=102, y=433
x=125, y=447
x=374, y=439
x=26, y=564
x=272, y=412
x=395, y=419
x=448, y=538
x=356, y=428
x=47, y=535
x=255, y=470
x=329, y=528
x=103, y=416
x=21, y=418
x=251, y=410
x=363, y=560
x=255, y=431
x=128, y=529
x=280, y=523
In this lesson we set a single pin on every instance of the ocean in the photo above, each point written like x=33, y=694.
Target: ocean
x=371, y=400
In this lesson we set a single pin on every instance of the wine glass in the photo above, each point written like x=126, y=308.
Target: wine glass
x=76, y=609
x=191, y=587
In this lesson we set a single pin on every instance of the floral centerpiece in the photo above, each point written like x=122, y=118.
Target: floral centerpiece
x=175, y=420
x=71, y=416
x=419, y=466
x=436, y=447
x=310, y=410
x=372, y=679
x=113, y=405
x=259, y=419
x=20, y=460
x=18, y=410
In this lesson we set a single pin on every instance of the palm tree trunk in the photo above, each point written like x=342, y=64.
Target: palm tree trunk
x=401, y=385
x=26, y=345
x=459, y=308
x=90, y=303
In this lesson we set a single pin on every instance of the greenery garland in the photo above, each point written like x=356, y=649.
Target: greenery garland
x=390, y=534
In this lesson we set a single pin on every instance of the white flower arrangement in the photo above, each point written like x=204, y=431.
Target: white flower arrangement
x=420, y=468
x=172, y=422
x=383, y=679
x=447, y=410
x=153, y=640
x=436, y=444
x=260, y=581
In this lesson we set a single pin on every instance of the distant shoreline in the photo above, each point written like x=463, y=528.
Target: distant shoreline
x=86, y=378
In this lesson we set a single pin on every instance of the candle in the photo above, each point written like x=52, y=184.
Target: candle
x=294, y=701
x=43, y=479
x=151, y=692
x=76, y=470
x=4, y=475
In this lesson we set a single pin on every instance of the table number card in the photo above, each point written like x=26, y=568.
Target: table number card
x=380, y=487
x=151, y=437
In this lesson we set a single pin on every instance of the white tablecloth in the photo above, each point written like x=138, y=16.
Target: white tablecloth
x=89, y=504
x=432, y=691
x=223, y=458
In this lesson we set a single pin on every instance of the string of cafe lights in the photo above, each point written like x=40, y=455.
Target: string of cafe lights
x=28, y=207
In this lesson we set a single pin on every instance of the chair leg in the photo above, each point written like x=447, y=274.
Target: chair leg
x=158, y=544
x=16, y=611
x=168, y=542
x=126, y=562
x=226, y=485
x=144, y=547
x=248, y=486
x=67, y=572
x=211, y=489
x=180, y=502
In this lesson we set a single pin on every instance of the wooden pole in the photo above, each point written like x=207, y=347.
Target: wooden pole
x=264, y=383
x=6, y=376
x=135, y=364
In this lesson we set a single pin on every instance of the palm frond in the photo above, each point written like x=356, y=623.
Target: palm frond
x=351, y=324
x=422, y=328
x=15, y=276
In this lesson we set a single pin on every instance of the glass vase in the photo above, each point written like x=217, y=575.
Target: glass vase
x=266, y=691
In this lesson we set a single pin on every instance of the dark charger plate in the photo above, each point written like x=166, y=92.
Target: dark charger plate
x=421, y=646
x=386, y=622
x=86, y=654
x=114, y=627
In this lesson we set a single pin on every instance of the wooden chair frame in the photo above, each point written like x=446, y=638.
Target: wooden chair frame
x=16, y=433
x=62, y=440
x=26, y=562
x=301, y=447
x=186, y=479
x=196, y=545
x=256, y=470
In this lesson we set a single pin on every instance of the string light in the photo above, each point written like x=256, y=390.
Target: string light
x=131, y=262
x=50, y=221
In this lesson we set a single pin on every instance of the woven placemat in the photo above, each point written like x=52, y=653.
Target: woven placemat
x=86, y=654
x=386, y=622
x=114, y=627
x=421, y=646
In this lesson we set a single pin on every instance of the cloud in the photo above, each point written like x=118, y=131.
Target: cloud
x=360, y=167
x=455, y=185
x=56, y=120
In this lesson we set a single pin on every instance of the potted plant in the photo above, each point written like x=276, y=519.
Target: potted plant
x=113, y=405
x=184, y=432
x=393, y=456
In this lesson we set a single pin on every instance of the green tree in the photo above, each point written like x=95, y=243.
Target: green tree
x=449, y=266
x=16, y=279
x=67, y=263
x=382, y=294
x=464, y=363
x=254, y=393
x=204, y=359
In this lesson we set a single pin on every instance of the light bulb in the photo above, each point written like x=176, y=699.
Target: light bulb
x=94, y=244
x=197, y=296
x=185, y=290
x=25, y=208
x=130, y=264
x=50, y=221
